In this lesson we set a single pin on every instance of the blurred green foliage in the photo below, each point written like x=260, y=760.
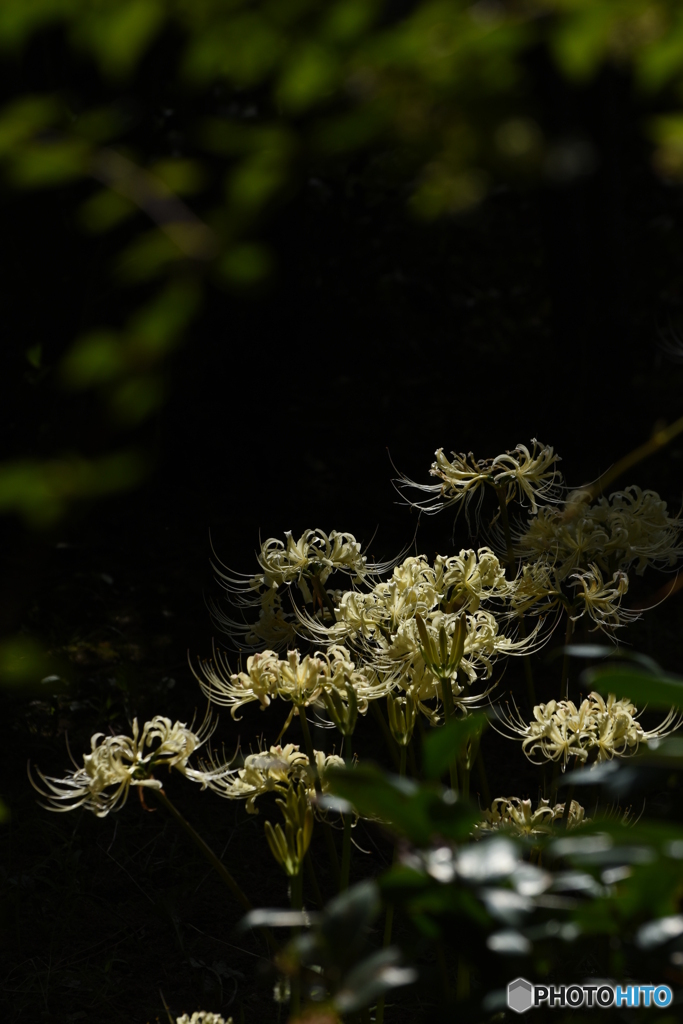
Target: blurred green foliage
x=446, y=87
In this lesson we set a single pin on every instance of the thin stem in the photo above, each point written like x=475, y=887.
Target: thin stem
x=464, y=774
x=505, y=520
x=327, y=831
x=346, y=841
x=448, y=712
x=411, y=758
x=388, y=926
x=312, y=878
x=206, y=850
x=657, y=441
x=296, y=896
x=386, y=732
x=554, y=780
x=564, y=684
x=389, y=919
x=483, y=780
x=404, y=758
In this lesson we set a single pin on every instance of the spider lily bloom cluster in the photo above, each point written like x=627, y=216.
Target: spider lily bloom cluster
x=115, y=763
x=597, y=730
x=519, y=817
x=325, y=632
x=203, y=1017
x=590, y=548
x=273, y=771
x=529, y=475
x=299, y=681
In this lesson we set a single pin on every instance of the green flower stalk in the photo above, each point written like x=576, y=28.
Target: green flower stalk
x=289, y=846
x=402, y=713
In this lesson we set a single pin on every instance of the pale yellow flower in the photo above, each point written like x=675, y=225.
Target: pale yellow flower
x=203, y=1017
x=518, y=816
x=115, y=763
x=275, y=628
x=600, y=601
x=597, y=730
x=628, y=527
x=273, y=770
x=315, y=553
x=529, y=475
x=301, y=681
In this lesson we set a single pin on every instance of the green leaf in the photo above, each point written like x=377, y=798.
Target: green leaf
x=581, y=40
x=372, y=978
x=662, y=60
x=41, y=491
x=42, y=164
x=245, y=48
x=148, y=256
x=418, y=812
x=22, y=662
x=96, y=358
x=310, y=76
x=445, y=745
x=105, y=210
x=20, y=120
x=246, y=264
x=137, y=398
x=156, y=328
x=181, y=176
x=117, y=33
x=662, y=691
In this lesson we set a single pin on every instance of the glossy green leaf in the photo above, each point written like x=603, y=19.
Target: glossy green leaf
x=418, y=812
x=662, y=691
x=445, y=745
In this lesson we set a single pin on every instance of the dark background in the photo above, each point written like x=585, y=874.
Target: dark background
x=539, y=314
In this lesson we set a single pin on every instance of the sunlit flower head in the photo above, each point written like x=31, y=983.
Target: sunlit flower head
x=597, y=730
x=314, y=554
x=272, y=771
x=628, y=527
x=299, y=680
x=115, y=763
x=484, y=642
x=203, y=1017
x=520, y=817
x=531, y=476
x=274, y=629
x=601, y=601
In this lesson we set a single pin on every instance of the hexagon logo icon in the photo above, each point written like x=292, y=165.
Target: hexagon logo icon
x=520, y=995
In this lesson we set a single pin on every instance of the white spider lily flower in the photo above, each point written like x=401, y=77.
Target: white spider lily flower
x=460, y=582
x=271, y=771
x=597, y=730
x=600, y=601
x=301, y=681
x=275, y=628
x=483, y=643
x=520, y=817
x=203, y=1017
x=530, y=475
x=115, y=763
x=628, y=527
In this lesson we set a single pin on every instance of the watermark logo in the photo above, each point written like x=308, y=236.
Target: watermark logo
x=523, y=996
